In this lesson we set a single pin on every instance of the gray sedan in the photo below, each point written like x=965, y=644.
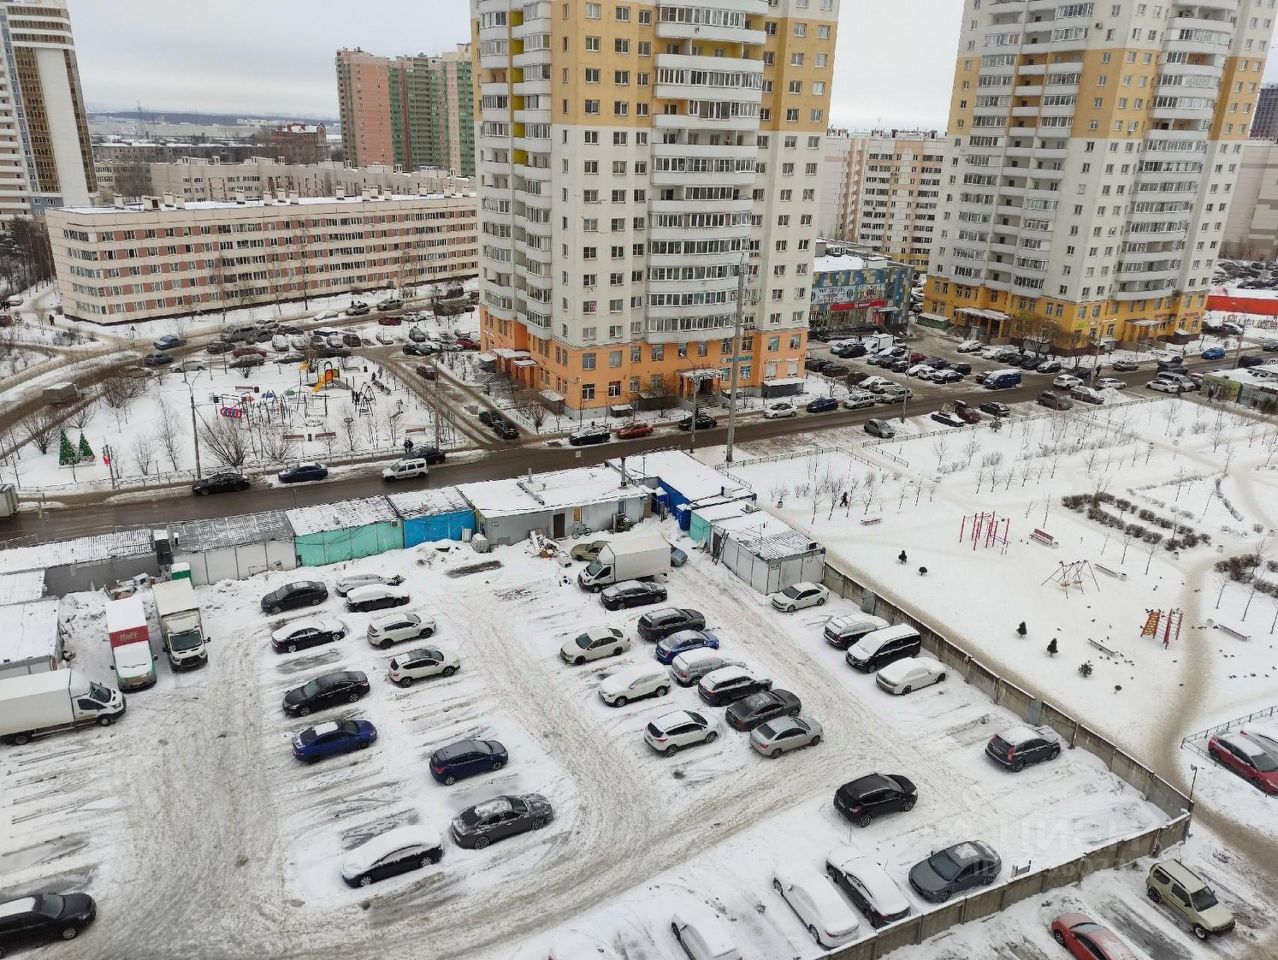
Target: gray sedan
x=783, y=734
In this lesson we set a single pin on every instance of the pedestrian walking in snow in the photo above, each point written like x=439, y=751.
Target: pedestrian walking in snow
x=922, y=571
x=843, y=500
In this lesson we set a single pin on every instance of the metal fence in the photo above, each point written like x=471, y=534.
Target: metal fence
x=1197, y=742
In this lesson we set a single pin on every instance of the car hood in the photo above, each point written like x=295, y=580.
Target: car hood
x=294, y=697
x=924, y=878
x=1216, y=917
x=76, y=905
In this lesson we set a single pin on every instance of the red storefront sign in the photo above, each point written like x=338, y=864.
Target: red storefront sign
x=859, y=305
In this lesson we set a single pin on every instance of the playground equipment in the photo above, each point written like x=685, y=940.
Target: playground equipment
x=1071, y=574
x=324, y=379
x=1163, y=625
x=985, y=530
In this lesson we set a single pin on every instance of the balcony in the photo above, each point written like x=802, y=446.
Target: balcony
x=678, y=178
x=686, y=122
x=706, y=33
x=741, y=205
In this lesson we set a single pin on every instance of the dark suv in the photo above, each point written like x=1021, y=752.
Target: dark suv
x=220, y=483
x=874, y=795
x=291, y=596
x=662, y=623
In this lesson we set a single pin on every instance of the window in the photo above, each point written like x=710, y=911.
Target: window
x=592, y=106
x=592, y=11
x=614, y=388
x=645, y=47
x=621, y=45
x=592, y=74
x=821, y=59
x=589, y=253
x=796, y=86
x=614, y=356
x=796, y=59
x=592, y=137
x=792, y=115
x=623, y=14
x=588, y=361
x=620, y=108
x=592, y=44
x=621, y=78
x=587, y=391
x=800, y=29
x=823, y=32
x=645, y=16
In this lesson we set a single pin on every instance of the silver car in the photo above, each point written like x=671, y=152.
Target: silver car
x=775, y=737
x=365, y=578
x=671, y=732
x=690, y=666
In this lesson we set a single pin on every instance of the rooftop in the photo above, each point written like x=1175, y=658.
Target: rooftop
x=548, y=491
x=21, y=587
x=251, y=203
x=31, y=631
x=1265, y=375
x=198, y=535
x=765, y=536
x=684, y=473
x=343, y=515
x=124, y=543
x=429, y=503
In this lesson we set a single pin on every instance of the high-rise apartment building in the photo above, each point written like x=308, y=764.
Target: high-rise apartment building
x=631, y=156
x=1092, y=156
x=1265, y=124
x=410, y=112
x=881, y=190
x=45, y=158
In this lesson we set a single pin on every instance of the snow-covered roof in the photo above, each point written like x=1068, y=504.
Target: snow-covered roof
x=765, y=536
x=722, y=510
x=343, y=515
x=555, y=490
x=829, y=264
x=1265, y=374
x=429, y=503
x=21, y=587
x=31, y=631
x=119, y=545
x=257, y=203
x=196, y=536
x=684, y=473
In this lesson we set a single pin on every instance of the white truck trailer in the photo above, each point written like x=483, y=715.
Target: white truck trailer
x=181, y=628
x=40, y=703
x=634, y=556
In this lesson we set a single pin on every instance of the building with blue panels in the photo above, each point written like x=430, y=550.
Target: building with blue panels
x=855, y=289
x=684, y=482
x=431, y=515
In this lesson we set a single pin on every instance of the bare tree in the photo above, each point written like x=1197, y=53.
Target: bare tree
x=166, y=432
x=970, y=450
x=274, y=445
x=80, y=419
x=39, y=427
x=143, y=452
x=939, y=446
x=1261, y=554
x=225, y=442
x=392, y=422
x=350, y=433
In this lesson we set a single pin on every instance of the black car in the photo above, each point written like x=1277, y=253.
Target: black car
x=344, y=686
x=507, y=816
x=741, y=686
x=852, y=350
x=31, y=921
x=588, y=436
x=749, y=712
x=156, y=360
x=418, y=349
x=219, y=346
x=876, y=650
x=1022, y=746
x=486, y=416
x=431, y=454
x=874, y=795
x=425, y=372
x=704, y=422
x=1252, y=360
x=835, y=370
x=815, y=364
x=291, y=596
x=416, y=334
x=662, y=623
x=505, y=429
x=962, y=367
x=996, y=409
x=288, y=330
x=303, y=473
x=352, y=340
x=898, y=366
x=246, y=362
x=632, y=593
x=220, y=483
x=467, y=758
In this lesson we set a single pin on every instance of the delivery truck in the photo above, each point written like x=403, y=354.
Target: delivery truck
x=8, y=500
x=132, y=660
x=126, y=622
x=634, y=556
x=38, y=703
x=181, y=629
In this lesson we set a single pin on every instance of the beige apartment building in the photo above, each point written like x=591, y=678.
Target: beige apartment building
x=125, y=265
x=1251, y=232
x=201, y=178
x=881, y=189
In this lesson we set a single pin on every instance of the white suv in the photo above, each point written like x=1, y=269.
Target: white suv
x=405, y=668
x=671, y=732
x=398, y=627
x=634, y=683
x=406, y=469
x=779, y=410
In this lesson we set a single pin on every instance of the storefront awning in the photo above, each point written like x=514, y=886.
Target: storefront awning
x=525, y=363
x=783, y=381
x=485, y=358
x=508, y=354
x=983, y=313
x=886, y=309
x=933, y=318
x=700, y=374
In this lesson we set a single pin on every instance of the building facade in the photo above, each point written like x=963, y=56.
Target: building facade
x=124, y=265
x=408, y=112
x=632, y=156
x=881, y=190
x=854, y=288
x=295, y=142
x=193, y=179
x=1251, y=230
x=1092, y=157
x=123, y=167
x=1265, y=124
x=45, y=158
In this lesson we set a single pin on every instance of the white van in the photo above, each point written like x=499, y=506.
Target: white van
x=406, y=469
x=702, y=934
x=634, y=683
x=134, y=665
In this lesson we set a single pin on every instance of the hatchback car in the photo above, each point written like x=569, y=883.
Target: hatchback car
x=307, y=632
x=594, y=644
x=169, y=342
x=31, y=921
x=506, y=816
x=303, y=473
x=1188, y=896
x=858, y=400
x=365, y=578
x=343, y=686
x=291, y=596
x=467, y=758
x=1247, y=758
x=822, y=405
x=867, y=885
x=757, y=708
x=910, y=673
x=671, y=732
x=670, y=647
x=331, y=739
x=376, y=597
x=689, y=667
x=157, y=360
x=220, y=483
x=1049, y=366
x=867, y=798
x=730, y=684
x=587, y=436
x=661, y=623
x=386, y=631
x=880, y=428
x=631, y=593
x=799, y=595
x=389, y=854
x=955, y=869
x=1085, y=939
x=419, y=664
x=634, y=683
x=779, y=409
x=1021, y=746
x=783, y=734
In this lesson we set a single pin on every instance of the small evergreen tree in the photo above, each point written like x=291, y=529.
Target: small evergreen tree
x=1051, y=647
x=66, y=452
x=86, y=451
x=1022, y=629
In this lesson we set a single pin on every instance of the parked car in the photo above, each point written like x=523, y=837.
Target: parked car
x=220, y=483
x=659, y=624
x=1085, y=939
x=799, y=595
x=1213, y=353
x=358, y=309
x=704, y=422
x=1189, y=897
x=909, y=674
x=303, y=473
x=467, y=758
x=169, y=342
x=633, y=430
x=291, y=596
x=42, y=918
x=1247, y=758
x=428, y=452
x=417, y=349
x=858, y=400
x=783, y=734
x=631, y=593
x=822, y=405
x=676, y=643
x=377, y=596
x=876, y=650
x=1252, y=360
x=398, y=850
x=1087, y=394
x=779, y=409
x=1165, y=386
x=588, y=436
x=365, y=578
x=815, y=364
x=328, y=690
x=671, y=732
x=156, y=360
x=1123, y=365
x=425, y=372
x=385, y=632
x=307, y=632
x=969, y=346
x=867, y=885
x=1020, y=746
x=188, y=366
x=690, y=666
x=333, y=738
x=701, y=934
x=634, y=683
x=594, y=644
x=946, y=376
x=817, y=904
x=995, y=409
x=390, y=303
x=880, y=428
x=218, y=346
x=246, y=362
x=421, y=664
x=505, y=429
x=1049, y=366
x=406, y=468
x=750, y=711
x=842, y=632
x=727, y=685
x=1110, y=383
x=677, y=557
x=1067, y=381
x=955, y=869
x=587, y=551
x=502, y=817
x=875, y=795
x=895, y=394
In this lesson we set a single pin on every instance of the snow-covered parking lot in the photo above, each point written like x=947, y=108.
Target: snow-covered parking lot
x=209, y=839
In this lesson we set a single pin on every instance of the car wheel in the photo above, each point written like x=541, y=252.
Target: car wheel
x=1056, y=752
x=274, y=611
x=909, y=802
x=304, y=711
x=448, y=671
x=365, y=744
x=1153, y=895
x=497, y=765
x=943, y=896
x=405, y=682
x=814, y=741
x=671, y=750
x=481, y=842
x=815, y=936
x=428, y=632
x=427, y=860
x=385, y=644
x=365, y=880
x=1199, y=931
x=940, y=678
x=1018, y=766
x=662, y=691
x=70, y=933
x=316, y=602
x=449, y=781
x=352, y=698
x=1058, y=937
x=986, y=881
x=201, y=493
x=617, y=652
x=712, y=736
x=540, y=823
x=105, y=721
x=906, y=689
x=579, y=661
x=820, y=601
x=776, y=753
x=291, y=648
x=864, y=820
x=621, y=701
x=776, y=885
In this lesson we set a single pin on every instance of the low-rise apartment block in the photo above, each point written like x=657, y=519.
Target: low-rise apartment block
x=197, y=178
x=854, y=288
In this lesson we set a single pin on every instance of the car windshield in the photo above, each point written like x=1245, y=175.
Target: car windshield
x=99, y=693
x=767, y=731
x=49, y=905
x=1263, y=761
x=944, y=866
x=594, y=568
x=186, y=640
x=791, y=592
x=310, y=689
x=583, y=641
x=308, y=735
x=1204, y=899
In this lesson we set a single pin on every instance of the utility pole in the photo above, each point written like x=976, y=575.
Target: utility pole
x=692, y=434
x=736, y=361
x=195, y=433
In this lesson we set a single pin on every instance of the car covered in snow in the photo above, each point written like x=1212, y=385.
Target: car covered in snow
x=594, y=644
x=690, y=666
x=634, y=683
x=377, y=596
x=307, y=632
x=671, y=732
x=972, y=863
x=1087, y=394
x=589, y=435
x=670, y=647
x=502, y=817
x=701, y=933
x=333, y=738
x=877, y=649
x=421, y=663
x=867, y=885
x=910, y=673
x=842, y=632
x=396, y=628
x=388, y=854
x=798, y=596
x=816, y=902
x=729, y=684
x=1021, y=746
x=969, y=346
x=365, y=578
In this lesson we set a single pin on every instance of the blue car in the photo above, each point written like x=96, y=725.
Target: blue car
x=169, y=342
x=684, y=640
x=466, y=758
x=330, y=739
x=823, y=405
x=1214, y=353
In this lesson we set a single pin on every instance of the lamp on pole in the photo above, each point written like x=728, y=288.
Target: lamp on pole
x=195, y=434
x=736, y=363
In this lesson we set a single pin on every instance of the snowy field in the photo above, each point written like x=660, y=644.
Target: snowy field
x=200, y=794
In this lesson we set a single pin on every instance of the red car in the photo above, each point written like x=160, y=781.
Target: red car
x=966, y=413
x=1086, y=939
x=384, y=321
x=917, y=358
x=468, y=343
x=632, y=431
x=248, y=352
x=1246, y=758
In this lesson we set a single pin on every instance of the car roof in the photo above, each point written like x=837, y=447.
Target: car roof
x=780, y=724
x=394, y=618
x=898, y=669
x=970, y=850
x=323, y=728
x=1181, y=874
x=707, y=923
x=15, y=907
x=872, y=641
x=689, y=634
x=716, y=677
x=377, y=590
x=1243, y=743
x=1022, y=733
x=698, y=655
x=305, y=623
x=600, y=630
x=888, y=897
x=495, y=805
x=871, y=781
x=373, y=849
x=458, y=748
x=668, y=720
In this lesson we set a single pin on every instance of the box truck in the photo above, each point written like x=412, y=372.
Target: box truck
x=632, y=557
x=40, y=703
x=8, y=500
x=181, y=629
x=126, y=621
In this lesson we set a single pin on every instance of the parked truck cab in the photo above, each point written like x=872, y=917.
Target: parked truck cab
x=632, y=557
x=40, y=703
x=181, y=628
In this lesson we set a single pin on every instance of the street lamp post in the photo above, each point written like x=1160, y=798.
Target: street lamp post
x=195, y=433
x=736, y=361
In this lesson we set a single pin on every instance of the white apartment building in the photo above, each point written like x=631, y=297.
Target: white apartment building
x=631, y=155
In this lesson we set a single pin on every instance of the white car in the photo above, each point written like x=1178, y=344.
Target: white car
x=594, y=644
x=398, y=627
x=378, y=596
x=969, y=346
x=875, y=384
x=187, y=366
x=867, y=885
x=634, y=683
x=815, y=899
x=420, y=664
x=858, y=400
x=1163, y=386
x=365, y=578
x=798, y=596
x=920, y=370
x=279, y=342
x=671, y=732
x=1110, y=383
x=910, y=673
x=406, y=468
x=297, y=342
x=702, y=934
x=327, y=315
x=779, y=410
x=689, y=667
x=1067, y=381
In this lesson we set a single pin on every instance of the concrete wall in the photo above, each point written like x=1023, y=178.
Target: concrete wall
x=59, y=581
x=239, y=562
